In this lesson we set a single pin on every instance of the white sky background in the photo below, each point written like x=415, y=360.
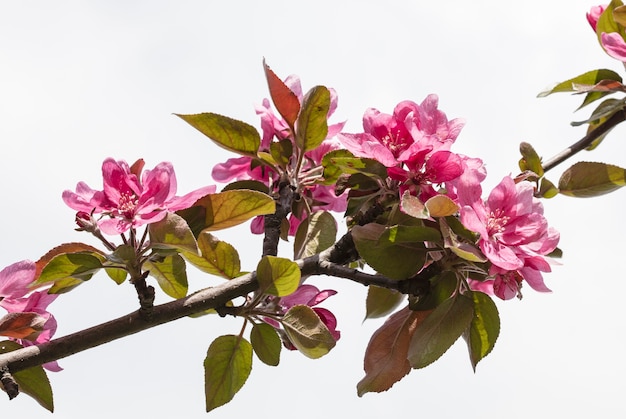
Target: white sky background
x=81, y=81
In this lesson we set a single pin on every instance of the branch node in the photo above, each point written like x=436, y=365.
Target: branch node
x=8, y=383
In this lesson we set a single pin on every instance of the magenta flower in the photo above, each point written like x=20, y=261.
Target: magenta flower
x=514, y=235
x=130, y=198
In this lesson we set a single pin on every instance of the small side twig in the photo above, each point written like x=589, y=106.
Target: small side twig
x=586, y=141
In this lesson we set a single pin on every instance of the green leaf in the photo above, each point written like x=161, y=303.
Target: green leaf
x=217, y=257
x=170, y=274
x=31, y=381
x=606, y=21
x=172, y=232
x=266, y=343
x=312, y=125
x=381, y=301
x=484, y=328
x=315, y=234
x=226, y=209
x=70, y=268
x=286, y=102
x=440, y=330
x=604, y=111
x=398, y=252
x=588, y=179
x=307, y=332
x=228, y=133
x=386, y=355
x=226, y=368
x=277, y=276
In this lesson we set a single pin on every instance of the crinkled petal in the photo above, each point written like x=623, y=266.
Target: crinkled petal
x=614, y=45
x=15, y=279
x=366, y=145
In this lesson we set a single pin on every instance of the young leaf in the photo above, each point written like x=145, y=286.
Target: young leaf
x=307, y=332
x=312, y=125
x=75, y=266
x=386, y=355
x=589, y=78
x=31, y=381
x=227, y=209
x=228, y=133
x=484, y=329
x=588, y=179
x=277, y=276
x=530, y=159
x=340, y=162
x=286, y=102
x=441, y=206
x=170, y=274
x=266, y=343
x=61, y=249
x=21, y=325
x=440, y=330
x=381, y=301
x=218, y=257
x=315, y=234
x=226, y=368
x=172, y=232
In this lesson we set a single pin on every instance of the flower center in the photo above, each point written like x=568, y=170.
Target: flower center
x=127, y=205
x=497, y=221
x=395, y=142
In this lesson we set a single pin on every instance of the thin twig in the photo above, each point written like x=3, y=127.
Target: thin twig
x=586, y=141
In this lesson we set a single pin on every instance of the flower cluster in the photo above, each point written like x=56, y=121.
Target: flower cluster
x=276, y=129
x=414, y=144
x=514, y=236
x=129, y=197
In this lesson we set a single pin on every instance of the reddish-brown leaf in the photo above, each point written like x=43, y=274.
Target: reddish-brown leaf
x=21, y=325
x=386, y=354
x=286, y=102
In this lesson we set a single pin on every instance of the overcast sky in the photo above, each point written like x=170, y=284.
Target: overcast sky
x=82, y=81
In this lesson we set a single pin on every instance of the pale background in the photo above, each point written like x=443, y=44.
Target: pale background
x=81, y=81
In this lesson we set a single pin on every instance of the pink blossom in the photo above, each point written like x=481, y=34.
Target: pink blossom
x=614, y=45
x=514, y=235
x=411, y=129
x=130, y=198
x=15, y=279
x=594, y=14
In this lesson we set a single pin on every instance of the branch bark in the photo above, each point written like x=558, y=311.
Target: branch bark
x=328, y=262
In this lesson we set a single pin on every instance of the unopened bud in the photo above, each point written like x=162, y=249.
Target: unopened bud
x=86, y=222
